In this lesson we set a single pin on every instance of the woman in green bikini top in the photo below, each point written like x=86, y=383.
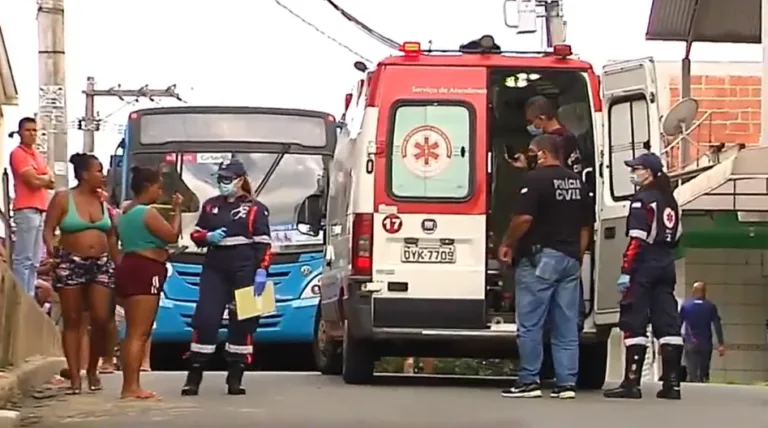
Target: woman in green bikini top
x=83, y=263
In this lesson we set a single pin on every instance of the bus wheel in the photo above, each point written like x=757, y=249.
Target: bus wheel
x=358, y=360
x=593, y=362
x=326, y=352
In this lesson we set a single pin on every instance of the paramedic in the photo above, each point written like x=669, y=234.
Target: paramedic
x=235, y=228
x=548, y=248
x=698, y=316
x=647, y=280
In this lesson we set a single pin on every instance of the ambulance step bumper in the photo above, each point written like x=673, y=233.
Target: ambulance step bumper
x=415, y=313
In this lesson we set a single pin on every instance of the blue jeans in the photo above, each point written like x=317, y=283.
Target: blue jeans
x=548, y=289
x=27, y=246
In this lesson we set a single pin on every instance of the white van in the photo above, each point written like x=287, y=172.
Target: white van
x=419, y=191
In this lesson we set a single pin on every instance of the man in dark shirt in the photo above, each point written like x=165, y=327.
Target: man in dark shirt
x=545, y=242
x=541, y=115
x=698, y=316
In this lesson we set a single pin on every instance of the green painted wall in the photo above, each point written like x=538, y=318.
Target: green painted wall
x=723, y=230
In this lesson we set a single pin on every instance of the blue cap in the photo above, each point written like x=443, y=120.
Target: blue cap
x=232, y=168
x=649, y=161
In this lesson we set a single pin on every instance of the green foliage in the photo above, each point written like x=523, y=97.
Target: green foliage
x=452, y=366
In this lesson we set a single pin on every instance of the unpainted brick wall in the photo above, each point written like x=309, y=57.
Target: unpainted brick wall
x=734, y=105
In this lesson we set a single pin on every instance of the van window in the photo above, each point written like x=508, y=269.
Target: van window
x=629, y=136
x=431, y=151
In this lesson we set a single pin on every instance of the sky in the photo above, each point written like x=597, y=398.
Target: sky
x=254, y=53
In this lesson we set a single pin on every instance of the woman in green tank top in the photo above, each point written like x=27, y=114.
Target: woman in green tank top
x=140, y=276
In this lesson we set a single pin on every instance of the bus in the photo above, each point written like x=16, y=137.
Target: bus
x=286, y=153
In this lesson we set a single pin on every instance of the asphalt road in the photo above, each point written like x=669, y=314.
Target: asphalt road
x=301, y=400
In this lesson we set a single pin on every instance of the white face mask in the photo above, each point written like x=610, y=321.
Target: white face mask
x=639, y=177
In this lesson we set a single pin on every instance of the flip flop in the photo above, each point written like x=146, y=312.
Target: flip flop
x=106, y=370
x=94, y=384
x=73, y=391
x=146, y=369
x=144, y=395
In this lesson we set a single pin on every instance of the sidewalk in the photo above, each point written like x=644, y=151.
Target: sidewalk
x=19, y=382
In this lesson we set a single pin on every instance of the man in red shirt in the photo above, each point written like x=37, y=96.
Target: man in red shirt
x=31, y=180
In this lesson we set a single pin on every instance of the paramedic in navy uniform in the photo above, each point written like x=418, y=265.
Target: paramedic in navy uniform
x=235, y=229
x=647, y=280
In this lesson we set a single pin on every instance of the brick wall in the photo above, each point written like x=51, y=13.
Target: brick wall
x=734, y=105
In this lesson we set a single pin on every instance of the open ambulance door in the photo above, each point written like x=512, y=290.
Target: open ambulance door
x=631, y=126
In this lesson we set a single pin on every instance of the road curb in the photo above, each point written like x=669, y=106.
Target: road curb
x=20, y=380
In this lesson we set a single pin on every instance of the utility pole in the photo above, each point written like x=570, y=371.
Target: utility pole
x=554, y=23
x=52, y=95
x=90, y=123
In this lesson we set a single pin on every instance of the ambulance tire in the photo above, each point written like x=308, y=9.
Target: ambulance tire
x=358, y=360
x=593, y=363
x=325, y=352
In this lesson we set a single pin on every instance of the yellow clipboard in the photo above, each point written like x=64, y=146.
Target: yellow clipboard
x=248, y=305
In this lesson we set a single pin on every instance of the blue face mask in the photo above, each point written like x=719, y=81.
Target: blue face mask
x=227, y=187
x=533, y=130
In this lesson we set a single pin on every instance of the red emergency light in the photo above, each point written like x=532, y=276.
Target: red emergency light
x=563, y=51
x=411, y=48
x=347, y=101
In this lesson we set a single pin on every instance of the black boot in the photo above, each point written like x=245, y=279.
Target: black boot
x=194, y=378
x=235, y=379
x=670, y=372
x=633, y=370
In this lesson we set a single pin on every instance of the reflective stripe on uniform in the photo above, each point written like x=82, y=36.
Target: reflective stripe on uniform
x=240, y=240
x=671, y=340
x=639, y=234
x=632, y=341
x=238, y=349
x=202, y=349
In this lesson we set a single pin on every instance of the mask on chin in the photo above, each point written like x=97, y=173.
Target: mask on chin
x=533, y=130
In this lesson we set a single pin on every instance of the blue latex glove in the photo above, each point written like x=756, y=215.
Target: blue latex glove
x=622, y=283
x=260, y=282
x=216, y=236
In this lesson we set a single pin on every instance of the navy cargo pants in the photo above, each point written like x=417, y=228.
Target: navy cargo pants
x=217, y=294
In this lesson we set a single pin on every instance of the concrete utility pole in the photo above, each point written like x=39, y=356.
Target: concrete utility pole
x=90, y=123
x=554, y=23
x=52, y=96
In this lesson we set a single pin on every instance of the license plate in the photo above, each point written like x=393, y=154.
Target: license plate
x=441, y=254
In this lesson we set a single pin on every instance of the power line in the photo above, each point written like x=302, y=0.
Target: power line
x=323, y=33
x=386, y=41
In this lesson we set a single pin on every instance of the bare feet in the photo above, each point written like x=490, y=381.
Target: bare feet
x=106, y=367
x=139, y=394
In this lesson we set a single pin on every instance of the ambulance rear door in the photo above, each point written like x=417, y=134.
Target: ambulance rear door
x=631, y=127
x=429, y=246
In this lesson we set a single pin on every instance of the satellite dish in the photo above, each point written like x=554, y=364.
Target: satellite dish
x=679, y=120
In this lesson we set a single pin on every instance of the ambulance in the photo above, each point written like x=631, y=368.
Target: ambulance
x=420, y=191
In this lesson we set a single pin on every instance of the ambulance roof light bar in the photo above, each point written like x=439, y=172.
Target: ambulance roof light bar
x=411, y=48
x=562, y=50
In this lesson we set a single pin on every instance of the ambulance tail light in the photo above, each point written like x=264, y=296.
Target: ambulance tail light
x=362, y=244
x=347, y=101
x=563, y=51
x=411, y=48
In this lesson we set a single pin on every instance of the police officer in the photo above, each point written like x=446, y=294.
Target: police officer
x=647, y=280
x=548, y=248
x=235, y=229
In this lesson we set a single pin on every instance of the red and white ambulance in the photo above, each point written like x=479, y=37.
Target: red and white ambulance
x=420, y=187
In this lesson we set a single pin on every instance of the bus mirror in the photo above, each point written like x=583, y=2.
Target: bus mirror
x=309, y=219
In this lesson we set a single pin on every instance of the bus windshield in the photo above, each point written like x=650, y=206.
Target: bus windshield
x=296, y=177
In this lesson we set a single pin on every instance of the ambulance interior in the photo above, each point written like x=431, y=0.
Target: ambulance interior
x=508, y=92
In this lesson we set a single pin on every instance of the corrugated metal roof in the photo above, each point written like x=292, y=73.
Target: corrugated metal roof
x=719, y=21
x=9, y=93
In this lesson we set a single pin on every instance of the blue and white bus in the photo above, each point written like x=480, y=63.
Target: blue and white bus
x=286, y=152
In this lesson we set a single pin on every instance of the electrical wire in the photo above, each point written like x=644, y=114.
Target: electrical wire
x=323, y=33
x=386, y=41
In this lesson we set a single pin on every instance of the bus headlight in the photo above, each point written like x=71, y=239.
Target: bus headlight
x=312, y=289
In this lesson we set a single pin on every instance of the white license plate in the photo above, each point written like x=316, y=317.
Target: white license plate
x=441, y=254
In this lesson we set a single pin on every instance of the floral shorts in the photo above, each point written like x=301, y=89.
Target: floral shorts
x=72, y=270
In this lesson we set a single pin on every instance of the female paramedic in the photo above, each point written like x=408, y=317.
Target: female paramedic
x=235, y=228
x=647, y=280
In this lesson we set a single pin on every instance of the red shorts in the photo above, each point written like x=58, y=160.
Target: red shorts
x=137, y=275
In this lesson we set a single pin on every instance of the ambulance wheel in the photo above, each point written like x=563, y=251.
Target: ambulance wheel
x=325, y=351
x=358, y=360
x=593, y=362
